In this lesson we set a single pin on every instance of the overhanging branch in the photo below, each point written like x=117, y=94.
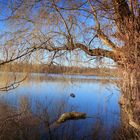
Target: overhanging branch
x=91, y=52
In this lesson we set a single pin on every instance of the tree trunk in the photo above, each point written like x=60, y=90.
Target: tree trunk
x=130, y=98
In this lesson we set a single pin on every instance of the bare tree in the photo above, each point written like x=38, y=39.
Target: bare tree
x=100, y=28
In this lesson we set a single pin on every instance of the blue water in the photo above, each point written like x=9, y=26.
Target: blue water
x=97, y=98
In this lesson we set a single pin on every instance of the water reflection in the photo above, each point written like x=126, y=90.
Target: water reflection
x=38, y=103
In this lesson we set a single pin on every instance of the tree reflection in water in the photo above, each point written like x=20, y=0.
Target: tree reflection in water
x=24, y=124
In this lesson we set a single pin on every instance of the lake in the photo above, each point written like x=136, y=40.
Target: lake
x=37, y=103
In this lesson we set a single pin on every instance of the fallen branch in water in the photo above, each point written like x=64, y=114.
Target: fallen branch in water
x=71, y=116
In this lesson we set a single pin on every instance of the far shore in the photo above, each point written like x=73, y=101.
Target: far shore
x=54, y=69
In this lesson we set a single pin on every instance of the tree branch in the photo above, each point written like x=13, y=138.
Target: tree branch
x=91, y=52
x=100, y=33
x=106, y=40
x=13, y=85
x=122, y=9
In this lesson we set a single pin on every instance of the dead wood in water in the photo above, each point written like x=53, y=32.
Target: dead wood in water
x=68, y=116
x=71, y=116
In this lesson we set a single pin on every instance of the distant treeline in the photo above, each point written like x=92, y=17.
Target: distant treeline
x=56, y=69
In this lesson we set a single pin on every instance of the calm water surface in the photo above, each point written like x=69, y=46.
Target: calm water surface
x=48, y=96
